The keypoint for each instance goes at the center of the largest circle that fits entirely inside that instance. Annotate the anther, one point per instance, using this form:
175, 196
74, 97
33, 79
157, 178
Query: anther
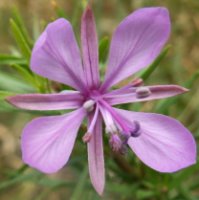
124, 137
136, 131
112, 128
142, 92
124, 149
137, 82
89, 105
115, 142
87, 137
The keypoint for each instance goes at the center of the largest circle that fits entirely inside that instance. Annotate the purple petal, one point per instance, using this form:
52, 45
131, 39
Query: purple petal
47, 142
136, 42
56, 55
129, 95
66, 100
96, 158
90, 48
164, 144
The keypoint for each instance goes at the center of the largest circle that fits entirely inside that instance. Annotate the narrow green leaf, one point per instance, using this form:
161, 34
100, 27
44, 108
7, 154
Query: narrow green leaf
26, 75
20, 40
43, 84
122, 189
59, 11
19, 21
103, 49
165, 103
19, 179
10, 83
4, 94
191, 81
85, 3
11, 59
80, 186
54, 183
146, 73
6, 107
18, 172
183, 176
144, 194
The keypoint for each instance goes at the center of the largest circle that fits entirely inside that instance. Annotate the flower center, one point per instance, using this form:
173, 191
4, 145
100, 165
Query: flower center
93, 97
118, 129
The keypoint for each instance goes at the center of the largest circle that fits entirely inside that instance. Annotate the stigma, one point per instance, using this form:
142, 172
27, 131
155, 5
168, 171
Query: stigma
136, 130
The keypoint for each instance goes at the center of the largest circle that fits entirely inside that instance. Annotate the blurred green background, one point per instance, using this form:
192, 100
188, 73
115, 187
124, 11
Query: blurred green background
127, 178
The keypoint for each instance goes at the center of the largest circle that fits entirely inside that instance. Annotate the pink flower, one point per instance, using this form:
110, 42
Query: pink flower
161, 142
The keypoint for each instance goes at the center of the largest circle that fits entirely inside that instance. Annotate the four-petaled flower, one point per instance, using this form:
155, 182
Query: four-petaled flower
160, 142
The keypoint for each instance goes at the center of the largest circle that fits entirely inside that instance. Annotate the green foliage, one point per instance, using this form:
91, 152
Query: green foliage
146, 73
103, 49
4, 94
25, 74
11, 59
10, 83
21, 27
20, 39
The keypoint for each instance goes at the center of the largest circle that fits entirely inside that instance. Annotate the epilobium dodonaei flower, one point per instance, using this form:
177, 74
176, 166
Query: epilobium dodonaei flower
161, 142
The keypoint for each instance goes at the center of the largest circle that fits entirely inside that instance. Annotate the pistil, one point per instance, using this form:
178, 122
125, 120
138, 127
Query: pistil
88, 135
136, 130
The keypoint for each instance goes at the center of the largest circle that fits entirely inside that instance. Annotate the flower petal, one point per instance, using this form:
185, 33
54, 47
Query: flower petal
136, 42
96, 158
47, 142
164, 144
60, 101
90, 48
56, 55
156, 92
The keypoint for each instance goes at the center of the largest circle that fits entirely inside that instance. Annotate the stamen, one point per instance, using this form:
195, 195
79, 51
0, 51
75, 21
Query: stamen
137, 82
142, 92
88, 135
137, 129
124, 149
107, 130
110, 125
111, 128
115, 142
89, 105
111, 117
124, 137
115, 124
